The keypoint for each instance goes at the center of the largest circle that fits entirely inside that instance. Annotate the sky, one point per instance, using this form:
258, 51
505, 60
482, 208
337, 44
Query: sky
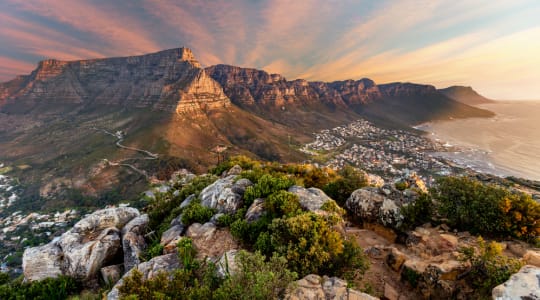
493, 46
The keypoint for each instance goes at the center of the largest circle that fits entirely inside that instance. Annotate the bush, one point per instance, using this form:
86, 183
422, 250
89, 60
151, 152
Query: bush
282, 203
50, 288
489, 267
265, 186
256, 278
486, 209
418, 212
307, 241
349, 180
196, 213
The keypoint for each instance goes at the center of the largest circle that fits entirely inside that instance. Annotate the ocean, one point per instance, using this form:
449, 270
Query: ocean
507, 144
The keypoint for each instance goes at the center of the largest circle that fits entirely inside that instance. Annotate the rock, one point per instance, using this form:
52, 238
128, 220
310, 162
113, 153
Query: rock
523, 285
42, 262
532, 257
133, 243
109, 217
225, 194
325, 288
214, 219
451, 239
369, 205
85, 254
181, 177
177, 221
111, 274
226, 265
390, 292
170, 238
311, 199
187, 201
255, 210
395, 259
82, 251
164, 263
235, 170
211, 241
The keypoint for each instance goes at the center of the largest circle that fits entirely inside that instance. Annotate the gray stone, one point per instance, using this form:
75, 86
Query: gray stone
225, 194
314, 287
255, 210
187, 201
311, 199
226, 265
214, 219
133, 243
369, 205
235, 170
42, 262
170, 238
164, 263
111, 274
523, 285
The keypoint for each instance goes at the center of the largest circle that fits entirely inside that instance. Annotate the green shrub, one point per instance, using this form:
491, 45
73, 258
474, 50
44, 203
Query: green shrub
282, 203
351, 264
50, 288
265, 186
349, 180
418, 212
196, 213
489, 267
307, 241
256, 278
487, 209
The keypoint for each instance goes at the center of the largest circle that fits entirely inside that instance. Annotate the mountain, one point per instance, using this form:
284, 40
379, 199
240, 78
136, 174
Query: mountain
464, 94
72, 130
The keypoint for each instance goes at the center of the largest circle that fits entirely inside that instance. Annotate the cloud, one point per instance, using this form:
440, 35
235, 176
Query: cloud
10, 67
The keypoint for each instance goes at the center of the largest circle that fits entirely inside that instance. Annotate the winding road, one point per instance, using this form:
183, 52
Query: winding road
120, 137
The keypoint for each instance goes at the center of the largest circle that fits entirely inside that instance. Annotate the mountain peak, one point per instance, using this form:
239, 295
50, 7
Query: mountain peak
464, 94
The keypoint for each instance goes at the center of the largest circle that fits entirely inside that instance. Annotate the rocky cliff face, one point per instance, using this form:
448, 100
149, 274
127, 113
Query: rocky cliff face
170, 80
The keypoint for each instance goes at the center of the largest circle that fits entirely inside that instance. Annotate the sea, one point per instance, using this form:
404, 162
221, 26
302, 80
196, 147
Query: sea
505, 145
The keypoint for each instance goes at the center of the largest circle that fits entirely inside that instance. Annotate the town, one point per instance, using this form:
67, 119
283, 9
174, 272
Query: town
384, 152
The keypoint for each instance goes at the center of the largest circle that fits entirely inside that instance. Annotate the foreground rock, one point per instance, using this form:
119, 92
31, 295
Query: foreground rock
523, 285
133, 243
150, 269
94, 242
314, 287
371, 205
225, 195
210, 241
311, 199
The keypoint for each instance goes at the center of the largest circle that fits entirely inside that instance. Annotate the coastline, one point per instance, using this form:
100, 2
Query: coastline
498, 146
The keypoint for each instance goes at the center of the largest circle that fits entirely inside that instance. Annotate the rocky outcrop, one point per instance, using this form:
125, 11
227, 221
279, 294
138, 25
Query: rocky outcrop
311, 199
170, 80
225, 195
371, 205
133, 243
523, 285
165, 263
92, 243
210, 241
255, 210
314, 287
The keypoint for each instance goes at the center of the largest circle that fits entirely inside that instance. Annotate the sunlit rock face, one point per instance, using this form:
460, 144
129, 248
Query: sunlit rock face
170, 80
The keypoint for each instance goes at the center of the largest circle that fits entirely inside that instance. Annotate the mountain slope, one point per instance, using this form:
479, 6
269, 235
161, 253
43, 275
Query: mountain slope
464, 94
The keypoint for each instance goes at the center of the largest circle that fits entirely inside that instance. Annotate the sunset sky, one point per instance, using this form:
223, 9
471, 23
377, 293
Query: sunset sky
492, 45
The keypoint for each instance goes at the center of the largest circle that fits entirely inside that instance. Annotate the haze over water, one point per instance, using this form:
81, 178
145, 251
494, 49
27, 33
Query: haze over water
508, 144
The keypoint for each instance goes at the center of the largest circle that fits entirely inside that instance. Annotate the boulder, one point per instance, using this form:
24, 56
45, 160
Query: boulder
133, 243
225, 195
210, 241
255, 210
181, 177
235, 170
82, 251
85, 254
42, 262
325, 288
395, 259
164, 263
226, 265
390, 292
109, 217
532, 257
111, 274
187, 201
170, 238
372, 206
523, 285
311, 199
